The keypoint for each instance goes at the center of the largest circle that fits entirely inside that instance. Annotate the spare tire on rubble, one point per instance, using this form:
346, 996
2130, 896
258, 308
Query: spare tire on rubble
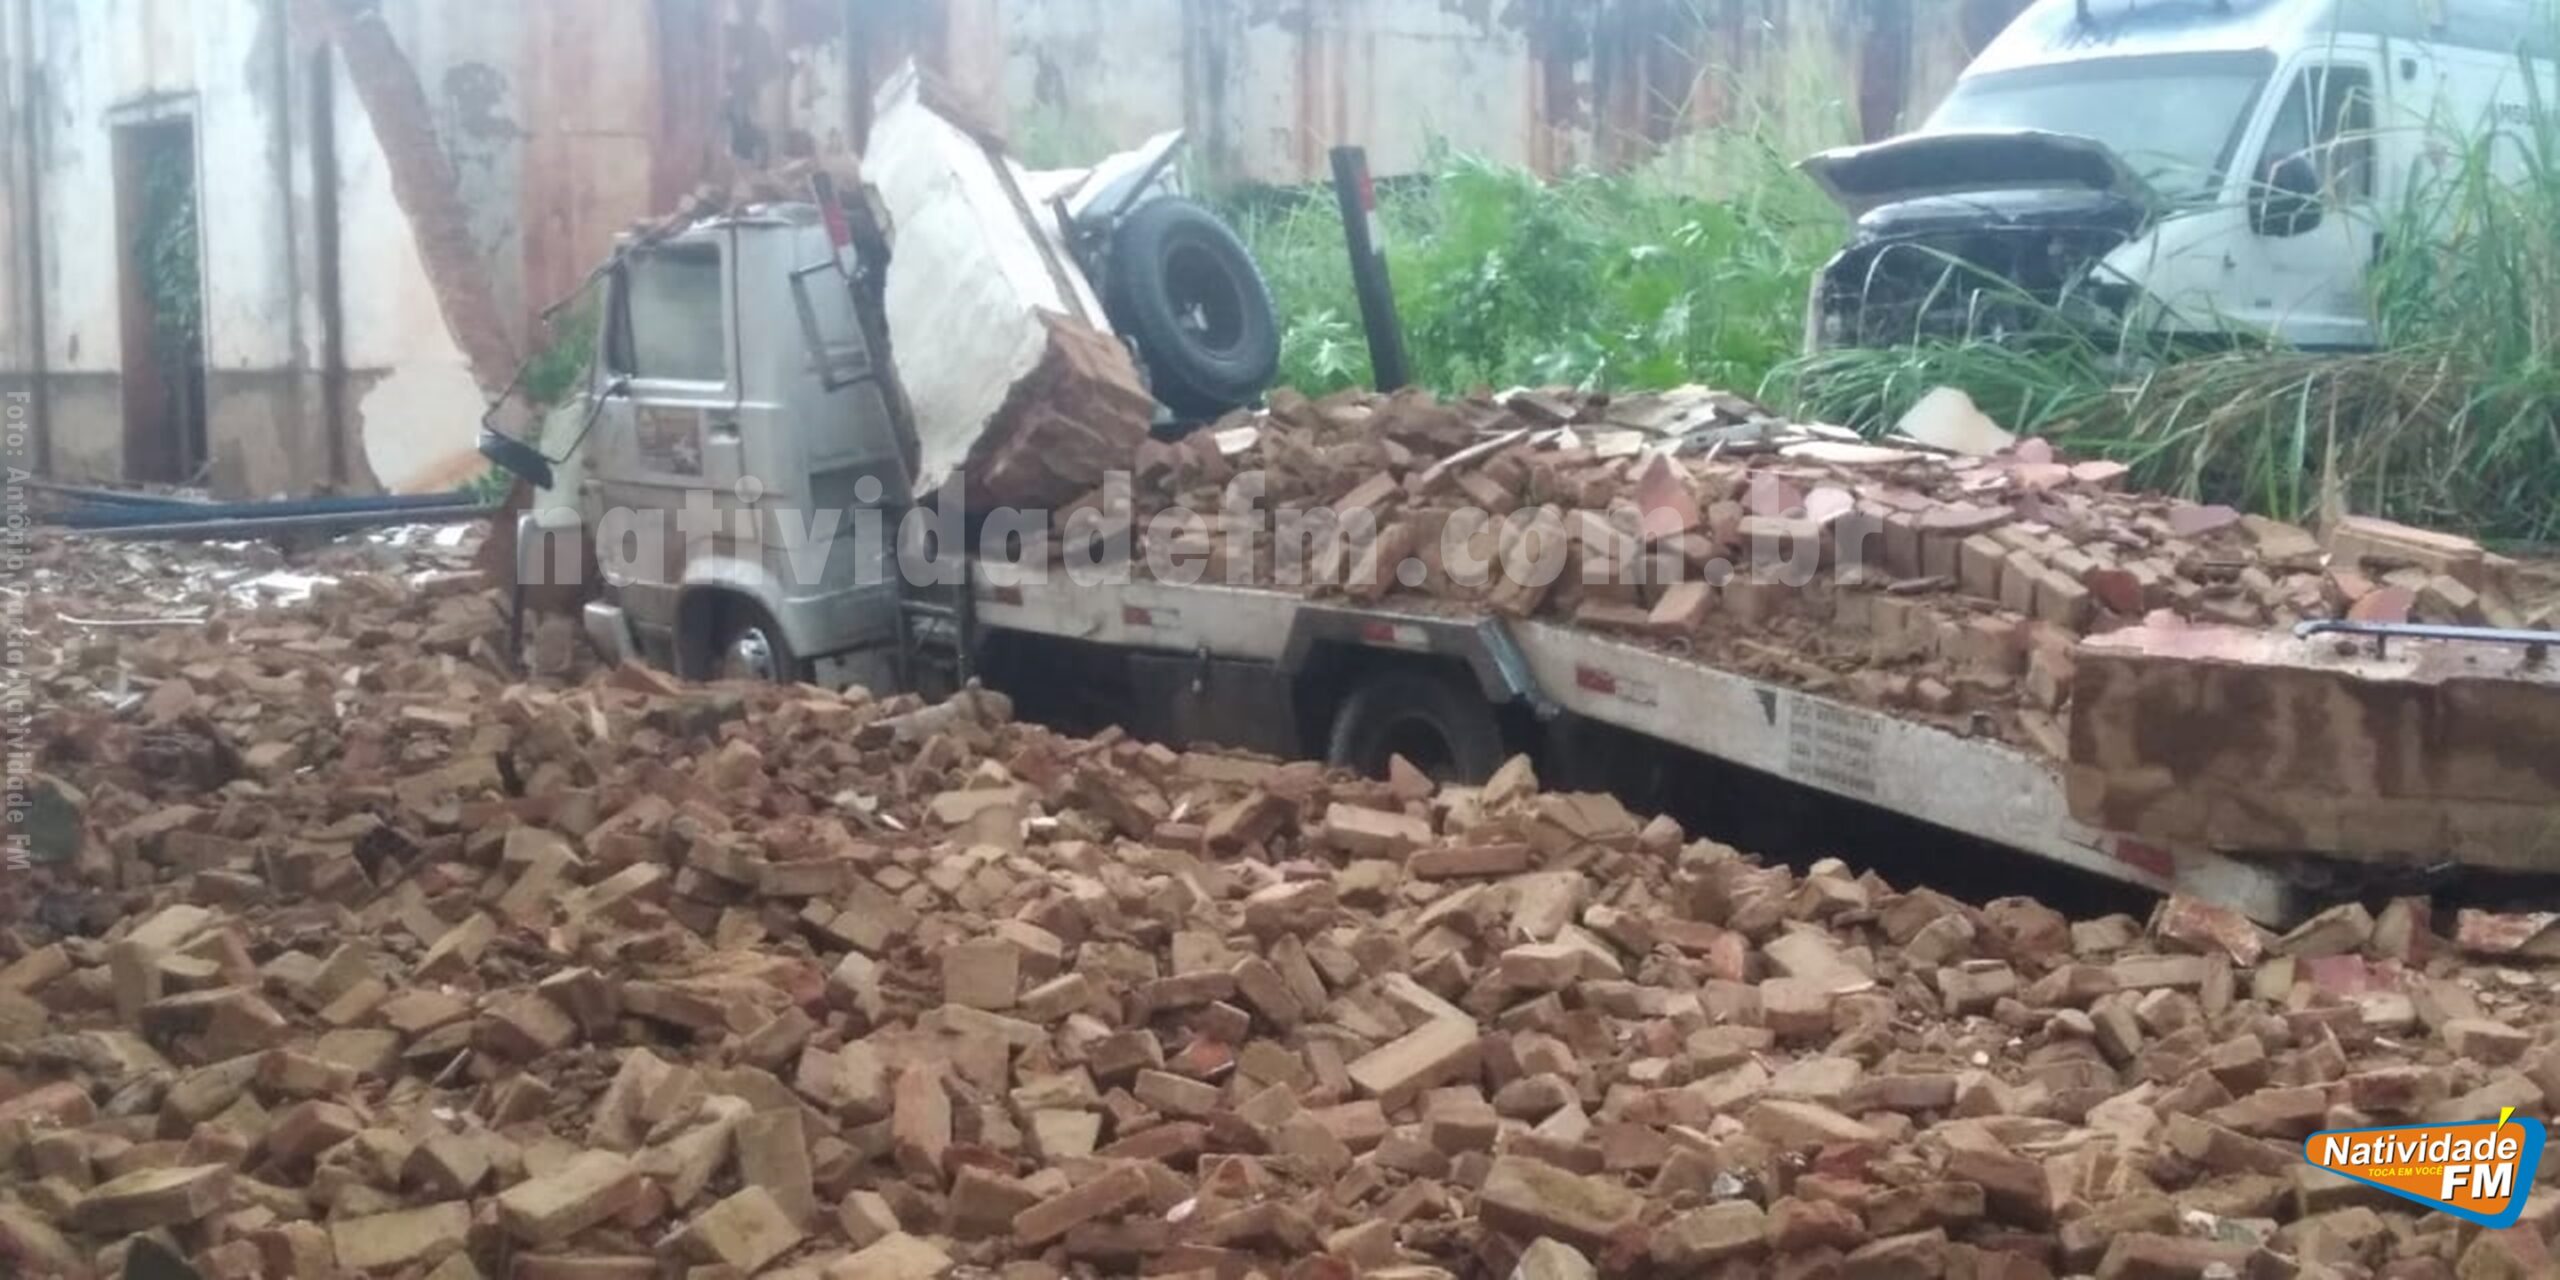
1185, 289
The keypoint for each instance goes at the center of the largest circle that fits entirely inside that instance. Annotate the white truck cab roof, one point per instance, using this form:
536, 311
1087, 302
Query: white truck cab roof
2054, 31
2162, 85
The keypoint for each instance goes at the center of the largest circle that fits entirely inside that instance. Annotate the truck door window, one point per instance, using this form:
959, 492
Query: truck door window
2328, 114
668, 327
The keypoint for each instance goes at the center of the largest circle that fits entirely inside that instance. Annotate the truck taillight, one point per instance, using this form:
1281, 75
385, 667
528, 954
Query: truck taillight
1399, 636
831, 209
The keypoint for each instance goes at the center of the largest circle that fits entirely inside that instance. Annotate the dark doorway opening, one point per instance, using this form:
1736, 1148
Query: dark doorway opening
163, 305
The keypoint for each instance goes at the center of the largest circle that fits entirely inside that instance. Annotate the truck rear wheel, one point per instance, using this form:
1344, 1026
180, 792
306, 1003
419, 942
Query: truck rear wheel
1438, 724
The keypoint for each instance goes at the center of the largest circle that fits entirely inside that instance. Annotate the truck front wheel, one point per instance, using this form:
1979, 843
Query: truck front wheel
1439, 725
744, 643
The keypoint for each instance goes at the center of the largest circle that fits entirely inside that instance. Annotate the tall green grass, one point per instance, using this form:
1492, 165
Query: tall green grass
1691, 267
1602, 281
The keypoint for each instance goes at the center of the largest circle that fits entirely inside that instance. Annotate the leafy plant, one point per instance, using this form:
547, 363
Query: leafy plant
1692, 266
489, 488
167, 250
1326, 350
559, 369
1604, 281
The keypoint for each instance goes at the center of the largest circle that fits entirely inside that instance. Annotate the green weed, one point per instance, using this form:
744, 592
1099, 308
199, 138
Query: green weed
1603, 281
1691, 267
559, 369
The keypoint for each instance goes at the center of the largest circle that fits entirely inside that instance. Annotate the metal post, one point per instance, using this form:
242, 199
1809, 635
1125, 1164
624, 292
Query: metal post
328, 241
1359, 197
31, 94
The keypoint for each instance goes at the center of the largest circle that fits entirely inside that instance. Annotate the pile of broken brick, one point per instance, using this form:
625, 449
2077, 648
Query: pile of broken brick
1971, 581
350, 957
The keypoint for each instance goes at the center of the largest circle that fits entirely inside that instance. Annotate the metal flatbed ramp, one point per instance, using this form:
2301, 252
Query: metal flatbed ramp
1976, 787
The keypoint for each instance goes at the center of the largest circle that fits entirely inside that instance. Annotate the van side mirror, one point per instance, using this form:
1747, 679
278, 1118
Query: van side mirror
2288, 203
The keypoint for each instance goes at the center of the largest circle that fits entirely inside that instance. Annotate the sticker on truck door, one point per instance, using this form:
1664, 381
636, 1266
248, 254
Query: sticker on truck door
670, 439
1832, 746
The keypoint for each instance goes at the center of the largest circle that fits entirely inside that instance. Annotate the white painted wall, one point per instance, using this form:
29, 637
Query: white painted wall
1268, 86
1058, 56
83, 50
251, 280
1390, 76
106, 62
423, 412
1273, 84
17, 295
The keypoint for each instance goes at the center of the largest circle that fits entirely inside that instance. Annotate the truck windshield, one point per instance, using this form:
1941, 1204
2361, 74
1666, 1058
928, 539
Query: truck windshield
2172, 118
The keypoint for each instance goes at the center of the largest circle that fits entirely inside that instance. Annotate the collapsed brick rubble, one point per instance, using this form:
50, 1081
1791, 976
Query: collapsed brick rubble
344, 955
1971, 582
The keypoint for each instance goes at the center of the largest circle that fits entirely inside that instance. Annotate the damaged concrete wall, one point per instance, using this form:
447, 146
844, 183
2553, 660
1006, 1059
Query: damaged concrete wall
237, 75
328, 355
431, 339
262, 390
1266, 87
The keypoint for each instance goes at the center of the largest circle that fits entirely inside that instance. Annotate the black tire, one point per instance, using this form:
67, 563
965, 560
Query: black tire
1439, 724
1186, 290
1586, 755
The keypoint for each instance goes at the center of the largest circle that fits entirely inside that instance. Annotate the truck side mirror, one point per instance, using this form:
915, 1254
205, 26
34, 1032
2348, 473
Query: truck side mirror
525, 460
2288, 203
515, 457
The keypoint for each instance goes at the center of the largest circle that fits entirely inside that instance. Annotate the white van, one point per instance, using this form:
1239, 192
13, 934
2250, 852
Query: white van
2194, 166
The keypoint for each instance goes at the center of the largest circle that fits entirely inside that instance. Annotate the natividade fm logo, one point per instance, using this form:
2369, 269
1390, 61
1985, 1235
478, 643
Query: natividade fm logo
2478, 1170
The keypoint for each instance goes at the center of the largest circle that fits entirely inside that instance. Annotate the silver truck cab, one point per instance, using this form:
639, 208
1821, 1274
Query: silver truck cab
2194, 167
746, 470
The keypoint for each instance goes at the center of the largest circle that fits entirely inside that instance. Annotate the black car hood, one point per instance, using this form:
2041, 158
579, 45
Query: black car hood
1916, 166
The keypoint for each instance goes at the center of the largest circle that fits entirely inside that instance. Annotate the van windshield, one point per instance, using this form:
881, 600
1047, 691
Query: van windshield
2172, 118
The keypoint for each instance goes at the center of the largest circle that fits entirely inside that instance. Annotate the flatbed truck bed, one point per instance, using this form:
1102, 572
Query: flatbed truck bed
1251, 649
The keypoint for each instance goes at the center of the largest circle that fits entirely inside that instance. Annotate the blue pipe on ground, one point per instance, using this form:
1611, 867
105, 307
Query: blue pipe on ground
113, 516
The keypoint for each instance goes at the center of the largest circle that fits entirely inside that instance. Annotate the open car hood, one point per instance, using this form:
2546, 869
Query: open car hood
1106, 183
1918, 165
